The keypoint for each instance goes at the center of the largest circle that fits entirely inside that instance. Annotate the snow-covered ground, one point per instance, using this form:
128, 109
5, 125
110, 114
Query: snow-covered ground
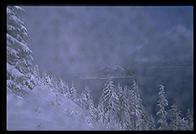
44, 110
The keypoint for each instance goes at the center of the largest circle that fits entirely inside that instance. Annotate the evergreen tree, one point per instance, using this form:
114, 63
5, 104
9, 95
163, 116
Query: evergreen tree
109, 106
103, 103
103, 106
37, 75
137, 111
162, 113
123, 103
86, 99
66, 89
72, 94
189, 119
151, 123
20, 63
132, 115
53, 81
138, 106
62, 87
47, 79
128, 109
92, 115
175, 118
115, 110
183, 124
147, 121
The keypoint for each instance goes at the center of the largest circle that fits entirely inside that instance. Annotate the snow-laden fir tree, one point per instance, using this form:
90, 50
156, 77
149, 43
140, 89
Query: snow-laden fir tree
139, 109
63, 88
183, 124
134, 104
109, 106
151, 123
37, 75
53, 81
85, 98
115, 110
72, 93
86, 102
128, 112
102, 106
20, 63
189, 119
137, 112
92, 115
162, 113
174, 116
148, 122
125, 119
66, 89
46, 79
124, 110
119, 92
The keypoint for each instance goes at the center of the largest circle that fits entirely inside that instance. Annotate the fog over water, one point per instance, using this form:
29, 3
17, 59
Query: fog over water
155, 44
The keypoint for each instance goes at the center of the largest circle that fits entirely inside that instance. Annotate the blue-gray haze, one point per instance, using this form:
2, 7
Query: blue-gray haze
154, 43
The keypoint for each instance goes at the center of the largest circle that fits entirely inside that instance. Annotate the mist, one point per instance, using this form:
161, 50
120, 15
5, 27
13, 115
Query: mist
155, 44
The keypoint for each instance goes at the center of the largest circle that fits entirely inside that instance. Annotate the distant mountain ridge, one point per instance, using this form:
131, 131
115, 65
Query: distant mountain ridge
111, 71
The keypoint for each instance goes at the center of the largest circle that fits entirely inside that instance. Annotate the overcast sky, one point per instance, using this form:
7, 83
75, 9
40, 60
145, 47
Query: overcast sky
65, 38
83, 39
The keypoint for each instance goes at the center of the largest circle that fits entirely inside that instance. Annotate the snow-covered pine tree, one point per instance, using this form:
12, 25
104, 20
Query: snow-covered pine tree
123, 103
47, 79
133, 111
37, 75
66, 89
115, 111
50, 80
141, 123
109, 106
174, 116
162, 113
20, 63
151, 123
136, 110
62, 87
92, 115
147, 121
85, 98
53, 81
183, 124
125, 120
72, 93
103, 105
189, 119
